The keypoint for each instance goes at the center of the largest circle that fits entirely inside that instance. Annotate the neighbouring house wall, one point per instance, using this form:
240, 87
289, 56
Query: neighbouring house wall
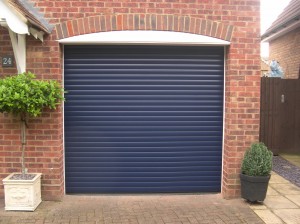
265, 68
286, 50
235, 20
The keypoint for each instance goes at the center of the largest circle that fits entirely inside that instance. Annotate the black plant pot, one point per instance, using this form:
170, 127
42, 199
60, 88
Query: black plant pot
254, 188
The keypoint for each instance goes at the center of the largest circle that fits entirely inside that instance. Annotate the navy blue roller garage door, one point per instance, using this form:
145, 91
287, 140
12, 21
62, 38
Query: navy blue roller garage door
143, 119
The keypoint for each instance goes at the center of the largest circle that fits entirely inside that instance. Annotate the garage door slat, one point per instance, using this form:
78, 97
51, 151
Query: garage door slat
155, 170
147, 128
85, 145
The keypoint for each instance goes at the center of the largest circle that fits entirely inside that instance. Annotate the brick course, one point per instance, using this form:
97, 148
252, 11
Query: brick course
286, 50
137, 22
237, 21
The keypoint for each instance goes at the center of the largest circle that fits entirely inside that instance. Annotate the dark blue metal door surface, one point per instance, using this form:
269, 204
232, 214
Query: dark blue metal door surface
143, 119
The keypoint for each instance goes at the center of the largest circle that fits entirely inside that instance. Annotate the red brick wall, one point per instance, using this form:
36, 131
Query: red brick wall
5, 49
286, 50
7, 129
235, 20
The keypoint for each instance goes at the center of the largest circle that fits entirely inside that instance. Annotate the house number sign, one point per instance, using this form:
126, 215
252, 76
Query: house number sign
7, 61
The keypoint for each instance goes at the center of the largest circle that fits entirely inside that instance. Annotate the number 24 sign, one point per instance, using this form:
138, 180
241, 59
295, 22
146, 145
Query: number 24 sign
7, 61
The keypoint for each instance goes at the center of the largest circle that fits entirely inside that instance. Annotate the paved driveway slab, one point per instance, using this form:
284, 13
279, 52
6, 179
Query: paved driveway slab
282, 204
137, 209
290, 216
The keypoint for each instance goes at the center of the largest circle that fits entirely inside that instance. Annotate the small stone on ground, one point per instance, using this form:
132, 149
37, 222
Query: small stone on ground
287, 170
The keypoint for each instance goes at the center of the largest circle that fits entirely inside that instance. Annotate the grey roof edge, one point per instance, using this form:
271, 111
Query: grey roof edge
279, 27
288, 17
37, 15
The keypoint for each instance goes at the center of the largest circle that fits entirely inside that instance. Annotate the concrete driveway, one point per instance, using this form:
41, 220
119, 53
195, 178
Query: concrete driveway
141, 209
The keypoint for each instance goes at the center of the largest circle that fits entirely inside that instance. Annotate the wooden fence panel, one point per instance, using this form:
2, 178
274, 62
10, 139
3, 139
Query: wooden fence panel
297, 120
280, 114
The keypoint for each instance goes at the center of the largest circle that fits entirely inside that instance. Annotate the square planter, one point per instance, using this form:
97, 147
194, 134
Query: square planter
22, 195
254, 188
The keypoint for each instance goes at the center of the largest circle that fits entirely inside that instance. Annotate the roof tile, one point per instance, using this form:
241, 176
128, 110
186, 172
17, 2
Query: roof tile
32, 14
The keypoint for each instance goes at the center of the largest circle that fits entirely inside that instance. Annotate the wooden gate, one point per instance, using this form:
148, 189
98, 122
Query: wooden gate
280, 114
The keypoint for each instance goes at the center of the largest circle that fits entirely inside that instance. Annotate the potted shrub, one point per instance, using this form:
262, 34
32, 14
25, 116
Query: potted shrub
256, 172
24, 96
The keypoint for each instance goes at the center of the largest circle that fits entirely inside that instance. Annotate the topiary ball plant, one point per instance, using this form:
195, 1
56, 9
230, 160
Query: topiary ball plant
24, 96
257, 160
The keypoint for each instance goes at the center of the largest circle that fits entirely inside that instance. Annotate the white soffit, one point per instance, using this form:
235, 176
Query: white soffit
13, 21
143, 37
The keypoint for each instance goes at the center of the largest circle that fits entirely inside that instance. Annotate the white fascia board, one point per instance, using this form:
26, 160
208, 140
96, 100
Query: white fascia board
143, 37
282, 32
14, 22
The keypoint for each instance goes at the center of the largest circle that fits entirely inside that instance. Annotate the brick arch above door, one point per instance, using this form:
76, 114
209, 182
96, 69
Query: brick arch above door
104, 23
